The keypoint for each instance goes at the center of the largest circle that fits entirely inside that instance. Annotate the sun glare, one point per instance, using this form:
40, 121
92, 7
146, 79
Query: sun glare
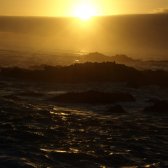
84, 11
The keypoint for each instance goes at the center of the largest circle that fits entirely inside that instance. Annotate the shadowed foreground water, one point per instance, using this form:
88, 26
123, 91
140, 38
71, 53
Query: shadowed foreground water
35, 132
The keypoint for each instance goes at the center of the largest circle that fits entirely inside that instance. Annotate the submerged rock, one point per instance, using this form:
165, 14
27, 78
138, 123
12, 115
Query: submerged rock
6, 161
93, 97
117, 109
159, 106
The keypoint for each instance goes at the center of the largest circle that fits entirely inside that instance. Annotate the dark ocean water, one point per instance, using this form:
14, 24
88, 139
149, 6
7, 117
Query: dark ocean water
36, 132
139, 36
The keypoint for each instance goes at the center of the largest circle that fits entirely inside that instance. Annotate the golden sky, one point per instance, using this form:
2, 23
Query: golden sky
67, 7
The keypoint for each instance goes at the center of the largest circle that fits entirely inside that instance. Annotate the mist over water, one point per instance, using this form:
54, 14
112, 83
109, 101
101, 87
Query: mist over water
139, 36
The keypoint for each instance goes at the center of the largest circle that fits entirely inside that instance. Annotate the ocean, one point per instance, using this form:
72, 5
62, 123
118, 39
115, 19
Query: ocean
37, 132
90, 115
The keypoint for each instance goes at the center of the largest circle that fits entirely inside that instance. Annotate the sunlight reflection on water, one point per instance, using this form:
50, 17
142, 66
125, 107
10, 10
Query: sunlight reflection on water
81, 134
71, 150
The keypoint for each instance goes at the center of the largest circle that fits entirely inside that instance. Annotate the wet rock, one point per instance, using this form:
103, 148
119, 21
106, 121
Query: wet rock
74, 159
159, 106
133, 84
14, 162
118, 160
93, 97
117, 109
153, 100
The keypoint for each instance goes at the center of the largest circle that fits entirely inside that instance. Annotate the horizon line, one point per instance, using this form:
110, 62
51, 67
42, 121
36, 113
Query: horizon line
45, 16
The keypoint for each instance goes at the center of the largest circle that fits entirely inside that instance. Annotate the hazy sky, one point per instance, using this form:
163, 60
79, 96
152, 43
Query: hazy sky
65, 7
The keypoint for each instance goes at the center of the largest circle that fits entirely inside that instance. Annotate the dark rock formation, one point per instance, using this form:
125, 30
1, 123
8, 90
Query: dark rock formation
88, 72
158, 107
117, 109
93, 97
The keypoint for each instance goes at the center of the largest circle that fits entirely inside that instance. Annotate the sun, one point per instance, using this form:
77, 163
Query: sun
84, 11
